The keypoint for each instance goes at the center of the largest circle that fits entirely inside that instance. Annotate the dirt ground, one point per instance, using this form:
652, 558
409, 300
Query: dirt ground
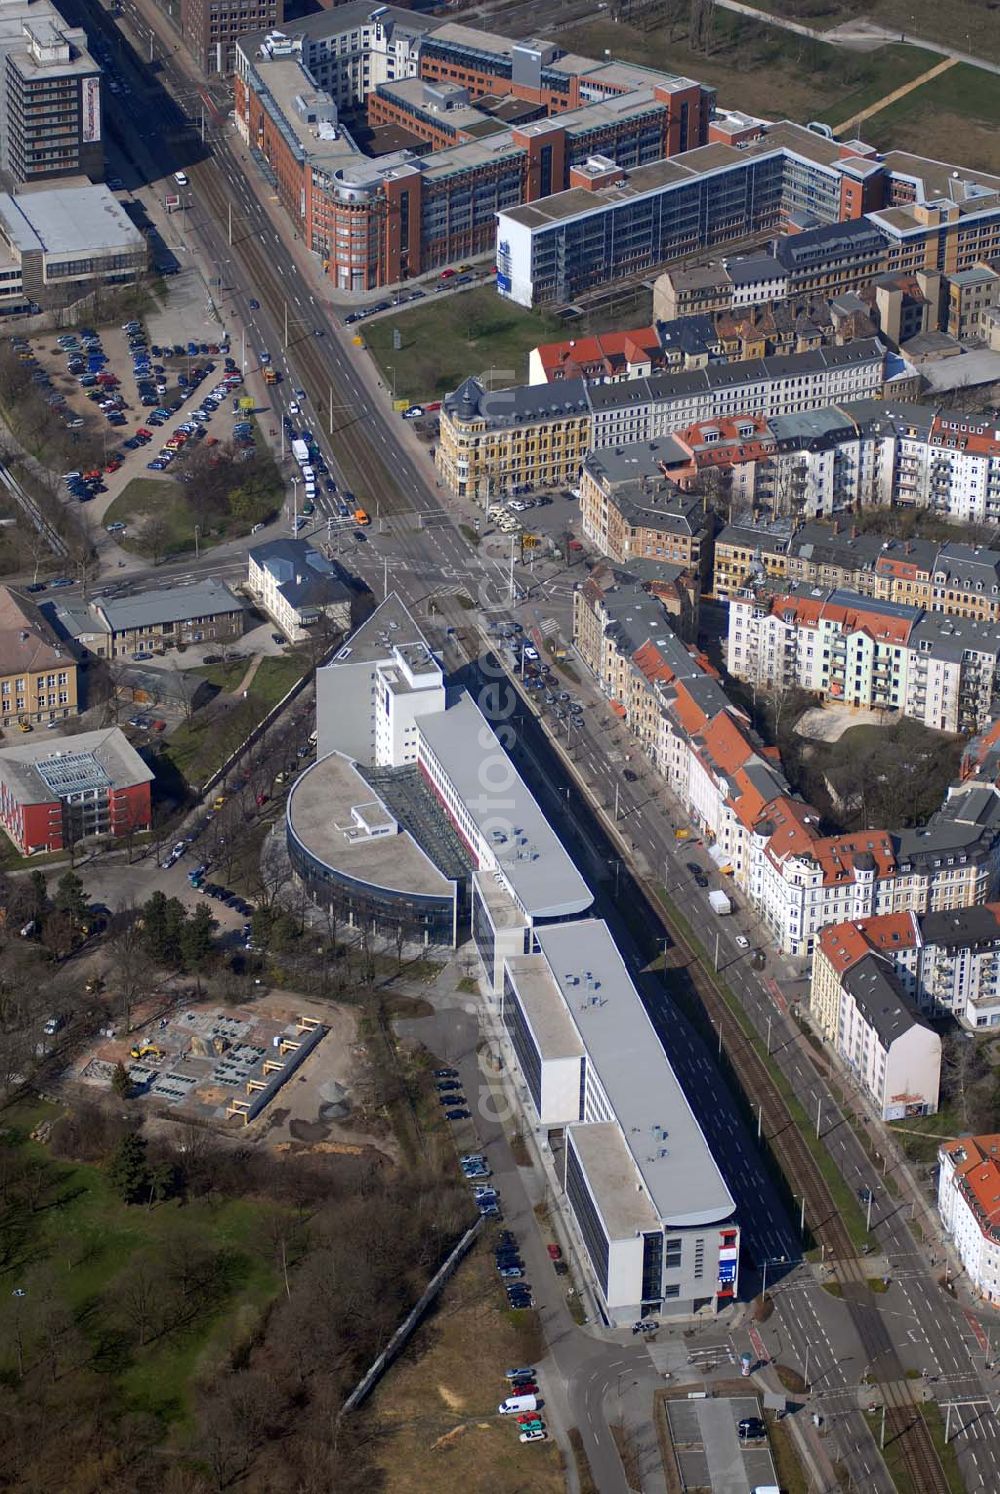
828, 723
435, 1415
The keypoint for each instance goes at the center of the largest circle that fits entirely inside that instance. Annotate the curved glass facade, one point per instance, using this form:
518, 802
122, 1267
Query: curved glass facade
426, 919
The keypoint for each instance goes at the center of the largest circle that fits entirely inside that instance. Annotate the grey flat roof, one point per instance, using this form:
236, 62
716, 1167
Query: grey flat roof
667, 1144
606, 1161
389, 627
319, 815
957, 927
168, 605
553, 1029
20, 765
65, 220
530, 854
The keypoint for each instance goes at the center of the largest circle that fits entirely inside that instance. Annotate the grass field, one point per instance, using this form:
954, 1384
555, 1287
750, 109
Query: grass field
761, 68
79, 1249
896, 66
962, 23
141, 498
446, 339
198, 746
954, 117
778, 75
434, 1418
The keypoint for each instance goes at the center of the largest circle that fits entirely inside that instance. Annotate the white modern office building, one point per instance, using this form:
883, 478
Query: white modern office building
649, 1206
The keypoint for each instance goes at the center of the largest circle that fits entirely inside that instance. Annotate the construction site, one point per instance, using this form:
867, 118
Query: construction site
225, 1066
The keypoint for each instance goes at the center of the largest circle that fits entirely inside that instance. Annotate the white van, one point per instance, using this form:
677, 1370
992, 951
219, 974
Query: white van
518, 1403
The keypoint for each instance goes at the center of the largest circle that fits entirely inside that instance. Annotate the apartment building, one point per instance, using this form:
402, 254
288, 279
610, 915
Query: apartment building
478, 123
972, 294
954, 579
867, 653
847, 216
734, 792
38, 673
491, 442
947, 963
800, 325
50, 97
865, 1015
632, 506
968, 1202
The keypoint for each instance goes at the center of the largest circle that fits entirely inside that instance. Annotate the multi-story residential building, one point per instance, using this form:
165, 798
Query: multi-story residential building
864, 1013
857, 454
889, 214
971, 295
57, 244
50, 97
298, 587
948, 963
53, 796
732, 788
479, 124
732, 336
491, 442
969, 1205
38, 675
632, 506
866, 653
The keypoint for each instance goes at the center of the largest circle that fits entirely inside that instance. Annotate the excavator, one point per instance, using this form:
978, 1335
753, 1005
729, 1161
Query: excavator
145, 1050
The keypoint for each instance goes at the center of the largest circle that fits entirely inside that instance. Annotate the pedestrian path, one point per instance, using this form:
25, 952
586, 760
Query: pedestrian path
897, 93
248, 678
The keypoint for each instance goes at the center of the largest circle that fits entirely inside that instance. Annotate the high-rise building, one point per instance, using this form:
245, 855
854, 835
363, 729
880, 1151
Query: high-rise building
50, 97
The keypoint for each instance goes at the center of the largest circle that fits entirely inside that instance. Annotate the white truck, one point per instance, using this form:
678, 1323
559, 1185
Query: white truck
720, 903
300, 451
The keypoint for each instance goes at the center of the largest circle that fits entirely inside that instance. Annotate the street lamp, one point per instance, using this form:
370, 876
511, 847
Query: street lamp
197, 536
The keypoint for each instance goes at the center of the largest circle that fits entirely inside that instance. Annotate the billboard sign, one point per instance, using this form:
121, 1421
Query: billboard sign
91, 110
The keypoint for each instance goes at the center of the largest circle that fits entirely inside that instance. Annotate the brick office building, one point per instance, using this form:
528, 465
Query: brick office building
485, 124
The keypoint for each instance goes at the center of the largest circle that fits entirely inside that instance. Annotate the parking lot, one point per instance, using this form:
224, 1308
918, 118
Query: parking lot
144, 401
711, 1453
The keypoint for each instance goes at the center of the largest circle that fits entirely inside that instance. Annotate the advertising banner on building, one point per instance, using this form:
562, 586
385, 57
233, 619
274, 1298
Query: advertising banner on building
91, 110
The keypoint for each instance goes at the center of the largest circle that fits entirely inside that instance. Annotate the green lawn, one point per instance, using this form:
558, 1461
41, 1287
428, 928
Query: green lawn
447, 338
198, 746
890, 69
81, 1244
141, 498
962, 106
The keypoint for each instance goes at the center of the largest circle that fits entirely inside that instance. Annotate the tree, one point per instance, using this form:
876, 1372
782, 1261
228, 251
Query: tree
38, 897
120, 1081
129, 964
128, 1170
196, 937
71, 898
154, 537
164, 920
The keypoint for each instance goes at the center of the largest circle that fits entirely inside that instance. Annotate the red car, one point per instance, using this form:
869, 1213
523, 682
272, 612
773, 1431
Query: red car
112, 466
555, 1254
144, 433
527, 1417
527, 1388
447, 274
